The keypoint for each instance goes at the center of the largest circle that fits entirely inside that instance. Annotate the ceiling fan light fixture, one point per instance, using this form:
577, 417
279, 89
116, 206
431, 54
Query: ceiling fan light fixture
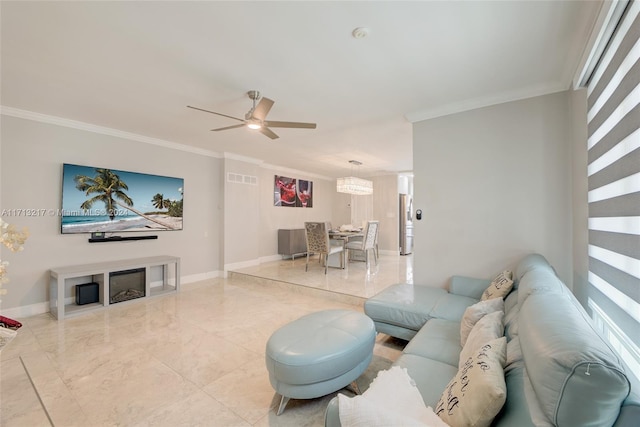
256, 118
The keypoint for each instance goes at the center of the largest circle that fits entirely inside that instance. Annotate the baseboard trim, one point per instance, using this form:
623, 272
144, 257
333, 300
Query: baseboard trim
192, 278
241, 264
270, 258
388, 252
26, 310
43, 307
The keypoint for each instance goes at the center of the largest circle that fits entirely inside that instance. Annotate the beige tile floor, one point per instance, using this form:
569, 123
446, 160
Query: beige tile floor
356, 280
191, 359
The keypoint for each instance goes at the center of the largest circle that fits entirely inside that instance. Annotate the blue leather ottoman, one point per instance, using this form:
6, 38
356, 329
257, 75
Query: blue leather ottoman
319, 353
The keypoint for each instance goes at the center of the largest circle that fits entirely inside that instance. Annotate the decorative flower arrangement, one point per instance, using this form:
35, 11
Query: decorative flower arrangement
13, 239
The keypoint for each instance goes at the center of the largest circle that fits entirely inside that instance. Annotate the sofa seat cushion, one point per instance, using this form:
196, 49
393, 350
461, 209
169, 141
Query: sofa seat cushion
395, 331
515, 411
438, 340
431, 376
405, 305
391, 399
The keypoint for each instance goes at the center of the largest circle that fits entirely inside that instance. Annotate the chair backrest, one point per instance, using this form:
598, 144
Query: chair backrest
317, 234
370, 235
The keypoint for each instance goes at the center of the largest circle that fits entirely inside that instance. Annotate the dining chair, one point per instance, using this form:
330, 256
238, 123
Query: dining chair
317, 234
368, 242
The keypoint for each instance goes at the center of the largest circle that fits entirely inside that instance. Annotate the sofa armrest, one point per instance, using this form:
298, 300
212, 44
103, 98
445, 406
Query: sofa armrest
468, 286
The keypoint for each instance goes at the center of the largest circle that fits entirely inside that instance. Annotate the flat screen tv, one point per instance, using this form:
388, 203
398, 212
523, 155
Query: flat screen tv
96, 199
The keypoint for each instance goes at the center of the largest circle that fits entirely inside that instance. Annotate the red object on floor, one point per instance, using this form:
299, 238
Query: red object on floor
5, 322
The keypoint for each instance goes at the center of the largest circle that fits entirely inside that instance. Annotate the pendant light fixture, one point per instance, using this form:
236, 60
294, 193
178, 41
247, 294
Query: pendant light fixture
353, 184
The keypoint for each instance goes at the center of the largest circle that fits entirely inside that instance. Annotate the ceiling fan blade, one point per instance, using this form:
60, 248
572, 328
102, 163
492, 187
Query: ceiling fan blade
262, 109
301, 125
213, 112
268, 132
228, 127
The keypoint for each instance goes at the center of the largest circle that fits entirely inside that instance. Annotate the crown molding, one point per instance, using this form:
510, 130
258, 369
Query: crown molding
246, 159
276, 168
74, 124
296, 172
485, 101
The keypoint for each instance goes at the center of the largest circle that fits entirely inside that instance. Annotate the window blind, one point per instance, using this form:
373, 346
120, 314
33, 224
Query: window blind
613, 116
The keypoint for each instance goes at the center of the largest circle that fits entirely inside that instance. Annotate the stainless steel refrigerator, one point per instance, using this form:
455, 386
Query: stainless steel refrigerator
406, 224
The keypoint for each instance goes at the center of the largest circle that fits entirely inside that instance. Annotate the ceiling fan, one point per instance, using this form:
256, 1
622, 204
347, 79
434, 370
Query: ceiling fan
255, 118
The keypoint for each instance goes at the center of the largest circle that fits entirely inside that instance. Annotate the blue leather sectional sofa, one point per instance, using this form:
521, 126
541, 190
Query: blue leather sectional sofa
562, 372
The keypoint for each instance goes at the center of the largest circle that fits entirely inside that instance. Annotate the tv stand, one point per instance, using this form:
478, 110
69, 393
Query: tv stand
64, 279
120, 238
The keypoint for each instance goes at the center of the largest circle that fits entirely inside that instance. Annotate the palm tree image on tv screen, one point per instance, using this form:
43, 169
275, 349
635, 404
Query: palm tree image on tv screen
109, 200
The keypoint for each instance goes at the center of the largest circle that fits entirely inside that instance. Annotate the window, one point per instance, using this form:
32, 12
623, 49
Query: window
614, 189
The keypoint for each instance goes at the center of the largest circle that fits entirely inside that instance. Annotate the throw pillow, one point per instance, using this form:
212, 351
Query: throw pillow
478, 391
488, 328
499, 287
476, 312
391, 399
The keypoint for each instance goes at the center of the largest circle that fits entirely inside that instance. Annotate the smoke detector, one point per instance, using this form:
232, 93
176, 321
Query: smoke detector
360, 32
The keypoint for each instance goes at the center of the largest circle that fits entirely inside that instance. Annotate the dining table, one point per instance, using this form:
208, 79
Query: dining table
343, 237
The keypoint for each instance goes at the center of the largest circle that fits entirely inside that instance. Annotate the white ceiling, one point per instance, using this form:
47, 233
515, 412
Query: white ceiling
134, 66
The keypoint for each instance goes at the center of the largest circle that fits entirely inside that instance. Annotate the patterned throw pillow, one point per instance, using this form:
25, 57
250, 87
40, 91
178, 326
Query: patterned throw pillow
476, 312
478, 391
488, 328
499, 287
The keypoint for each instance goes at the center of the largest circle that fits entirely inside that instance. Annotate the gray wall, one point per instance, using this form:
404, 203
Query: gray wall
251, 219
225, 223
494, 184
31, 176
241, 214
273, 217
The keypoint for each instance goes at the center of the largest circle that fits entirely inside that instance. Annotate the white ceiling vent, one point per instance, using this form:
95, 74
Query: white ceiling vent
242, 179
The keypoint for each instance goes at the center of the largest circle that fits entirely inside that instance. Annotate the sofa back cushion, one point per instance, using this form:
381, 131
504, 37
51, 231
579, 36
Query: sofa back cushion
529, 263
576, 378
540, 280
511, 310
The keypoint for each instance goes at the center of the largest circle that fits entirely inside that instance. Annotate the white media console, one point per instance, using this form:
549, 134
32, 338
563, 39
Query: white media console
63, 281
